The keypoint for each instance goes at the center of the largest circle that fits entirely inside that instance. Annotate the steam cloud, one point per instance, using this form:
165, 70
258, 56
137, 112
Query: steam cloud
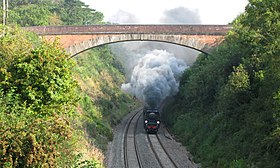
124, 17
152, 72
155, 77
181, 15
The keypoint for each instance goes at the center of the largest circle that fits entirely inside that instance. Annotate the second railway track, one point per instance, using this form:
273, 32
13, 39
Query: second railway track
133, 157
160, 152
131, 152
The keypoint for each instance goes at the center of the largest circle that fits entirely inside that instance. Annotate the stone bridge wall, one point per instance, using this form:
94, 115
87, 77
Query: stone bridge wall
128, 29
76, 39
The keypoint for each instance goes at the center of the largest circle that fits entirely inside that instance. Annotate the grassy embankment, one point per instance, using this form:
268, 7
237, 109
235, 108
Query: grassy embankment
227, 110
103, 103
47, 119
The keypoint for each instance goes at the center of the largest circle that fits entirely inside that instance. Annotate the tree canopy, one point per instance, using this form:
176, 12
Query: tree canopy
51, 12
37, 92
230, 100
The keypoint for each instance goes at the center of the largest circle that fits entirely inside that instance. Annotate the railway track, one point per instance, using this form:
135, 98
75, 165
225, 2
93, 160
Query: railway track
162, 156
132, 154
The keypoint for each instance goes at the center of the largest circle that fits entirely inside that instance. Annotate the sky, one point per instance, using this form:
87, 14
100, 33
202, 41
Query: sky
159, 11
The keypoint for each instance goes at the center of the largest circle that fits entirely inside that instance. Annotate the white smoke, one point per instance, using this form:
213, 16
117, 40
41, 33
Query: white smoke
129, 53
152, 72
123, 17
181, 15
155, 77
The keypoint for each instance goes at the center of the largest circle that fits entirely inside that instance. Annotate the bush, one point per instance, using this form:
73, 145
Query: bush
37, 96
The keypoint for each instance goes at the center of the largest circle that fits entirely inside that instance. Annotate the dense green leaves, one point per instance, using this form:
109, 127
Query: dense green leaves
37, 92
30, 15
41, 79
230, 101
75, 12
38, 95
51, 12
31, 142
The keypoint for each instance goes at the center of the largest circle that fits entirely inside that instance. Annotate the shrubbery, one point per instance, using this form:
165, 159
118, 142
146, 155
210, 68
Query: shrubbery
37, 98
102, 103
38, 95
227, 110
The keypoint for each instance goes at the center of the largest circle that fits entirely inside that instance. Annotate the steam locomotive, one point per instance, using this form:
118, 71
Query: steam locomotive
151, 118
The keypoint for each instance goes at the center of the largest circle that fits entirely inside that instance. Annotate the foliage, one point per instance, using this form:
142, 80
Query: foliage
37, 97
75, 12
51, 12
31, 142
102, 102
37, 86
30, 15
85, 163
39, 78
229, 101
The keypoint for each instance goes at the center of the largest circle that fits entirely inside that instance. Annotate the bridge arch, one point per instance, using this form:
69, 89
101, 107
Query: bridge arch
76, 39
192, 42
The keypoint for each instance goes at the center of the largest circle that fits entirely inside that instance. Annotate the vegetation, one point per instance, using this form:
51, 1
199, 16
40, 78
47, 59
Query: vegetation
51, 12
37, 98
227, 110
102, 104
55, 111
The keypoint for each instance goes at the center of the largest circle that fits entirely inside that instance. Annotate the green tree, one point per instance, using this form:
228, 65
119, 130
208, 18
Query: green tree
75, 12
31, 15
37, 96
51, 12
230, 100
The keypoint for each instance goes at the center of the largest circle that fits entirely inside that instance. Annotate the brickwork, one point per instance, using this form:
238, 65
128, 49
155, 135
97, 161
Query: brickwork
76, 39
127, 29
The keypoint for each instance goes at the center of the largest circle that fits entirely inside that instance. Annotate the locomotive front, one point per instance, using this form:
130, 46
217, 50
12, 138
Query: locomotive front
151, 118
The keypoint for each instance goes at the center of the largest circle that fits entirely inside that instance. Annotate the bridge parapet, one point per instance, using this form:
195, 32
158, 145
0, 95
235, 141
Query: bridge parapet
128, 29
76, 39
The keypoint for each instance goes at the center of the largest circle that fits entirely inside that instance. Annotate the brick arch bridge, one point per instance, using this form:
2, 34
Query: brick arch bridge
76, 39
